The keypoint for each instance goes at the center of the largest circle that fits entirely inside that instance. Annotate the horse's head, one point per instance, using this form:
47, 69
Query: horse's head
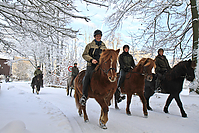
190, 66
147, 65
39, 77
108, 63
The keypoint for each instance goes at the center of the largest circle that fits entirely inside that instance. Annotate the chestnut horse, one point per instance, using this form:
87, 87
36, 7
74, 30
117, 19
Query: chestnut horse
135, 80
102, 86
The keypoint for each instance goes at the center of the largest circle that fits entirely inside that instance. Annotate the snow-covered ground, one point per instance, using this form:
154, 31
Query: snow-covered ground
53, 112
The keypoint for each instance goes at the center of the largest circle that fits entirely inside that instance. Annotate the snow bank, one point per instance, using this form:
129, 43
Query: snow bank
16, 126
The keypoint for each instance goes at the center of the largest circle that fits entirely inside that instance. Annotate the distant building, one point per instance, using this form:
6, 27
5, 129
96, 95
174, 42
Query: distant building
4, 68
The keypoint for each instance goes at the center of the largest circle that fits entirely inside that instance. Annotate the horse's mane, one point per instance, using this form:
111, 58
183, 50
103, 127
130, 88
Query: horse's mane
106, 55
144, 61
141, 62
177, 70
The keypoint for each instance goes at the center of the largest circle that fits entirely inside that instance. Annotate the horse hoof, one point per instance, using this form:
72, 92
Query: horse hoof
103, 126
166, 110
184, 115
117, 108
86, 121
128, 113
145, 115
149, 108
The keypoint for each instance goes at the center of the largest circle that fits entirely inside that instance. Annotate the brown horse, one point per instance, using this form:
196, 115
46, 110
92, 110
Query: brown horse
102, 86
135, 80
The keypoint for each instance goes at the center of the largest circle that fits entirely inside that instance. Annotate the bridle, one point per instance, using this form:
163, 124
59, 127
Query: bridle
106, 71
144, 73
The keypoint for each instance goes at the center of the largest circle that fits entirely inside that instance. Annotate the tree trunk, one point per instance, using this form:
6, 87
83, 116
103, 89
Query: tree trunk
195, 28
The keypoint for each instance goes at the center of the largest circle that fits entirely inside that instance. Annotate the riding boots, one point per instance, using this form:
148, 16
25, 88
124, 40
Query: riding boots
119, 97
86, 83
121, 79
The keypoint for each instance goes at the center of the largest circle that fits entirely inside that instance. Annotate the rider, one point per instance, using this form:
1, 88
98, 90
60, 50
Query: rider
75, 71
91, 54
162, 66
37, 72
126, 62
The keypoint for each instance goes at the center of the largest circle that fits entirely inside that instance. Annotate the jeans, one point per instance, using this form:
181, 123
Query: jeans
87, 78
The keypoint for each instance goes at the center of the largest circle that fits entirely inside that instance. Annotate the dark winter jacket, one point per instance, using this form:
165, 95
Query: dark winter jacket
126, 61
37, 72
93, 51
162, 64
75, 71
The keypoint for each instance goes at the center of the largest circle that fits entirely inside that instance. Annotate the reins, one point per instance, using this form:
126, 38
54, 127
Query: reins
106, 71
142, 74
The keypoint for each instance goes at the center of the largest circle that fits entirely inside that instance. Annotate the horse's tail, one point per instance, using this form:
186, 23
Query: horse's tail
77, 97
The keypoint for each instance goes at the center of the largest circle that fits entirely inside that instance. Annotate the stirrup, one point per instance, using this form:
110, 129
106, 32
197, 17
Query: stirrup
119, 89
120, 98
158, 90
82, 100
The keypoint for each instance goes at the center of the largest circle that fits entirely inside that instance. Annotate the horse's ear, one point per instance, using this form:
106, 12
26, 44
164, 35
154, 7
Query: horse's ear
103, 50
146, 61
118, 50
193, 64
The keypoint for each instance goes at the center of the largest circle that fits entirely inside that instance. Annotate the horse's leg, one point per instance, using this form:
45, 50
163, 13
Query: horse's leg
147, 96
169, 99
104, 113
177, 98
147, 103
67, 89
128, 104
79, 106
71, 88
141, 95
33, 89
115, 97
85, 114
37, 89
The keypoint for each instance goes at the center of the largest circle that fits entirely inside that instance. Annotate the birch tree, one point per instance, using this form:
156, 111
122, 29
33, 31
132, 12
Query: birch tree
166, 23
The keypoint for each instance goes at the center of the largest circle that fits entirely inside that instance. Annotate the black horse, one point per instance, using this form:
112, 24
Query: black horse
172, 84
37, 81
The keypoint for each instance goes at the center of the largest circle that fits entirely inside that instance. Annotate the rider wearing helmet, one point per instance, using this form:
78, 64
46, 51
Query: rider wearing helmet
126, 62
75, 71
162, 66
91, 54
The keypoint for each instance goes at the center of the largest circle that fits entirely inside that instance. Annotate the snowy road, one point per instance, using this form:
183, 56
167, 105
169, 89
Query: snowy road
53, 112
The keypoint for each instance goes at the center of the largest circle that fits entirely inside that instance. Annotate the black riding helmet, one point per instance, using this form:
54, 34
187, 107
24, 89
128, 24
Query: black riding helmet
38, 67
125, 46
75, 63
97, 32
160, 50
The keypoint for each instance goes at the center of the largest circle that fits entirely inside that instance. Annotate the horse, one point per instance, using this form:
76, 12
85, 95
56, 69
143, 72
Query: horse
134, 82
172, 84
37, 81
149, 89
102, 85
69, 87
